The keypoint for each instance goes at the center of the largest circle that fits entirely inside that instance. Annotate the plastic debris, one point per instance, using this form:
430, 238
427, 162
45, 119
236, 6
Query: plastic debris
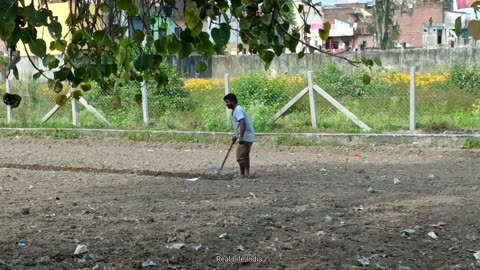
148, 263
358, 156
175, 245
21, 243
364, 261
359, 208
323, 170
80, 249
433, 235
253, 195
431, 175
193, 179
197, 247
396, 180
407, 232
223, 236
240, 248
477, 256
370, 190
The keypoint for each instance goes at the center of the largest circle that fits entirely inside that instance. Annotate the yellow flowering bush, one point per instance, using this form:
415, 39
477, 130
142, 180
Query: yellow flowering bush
422, 79
201, 84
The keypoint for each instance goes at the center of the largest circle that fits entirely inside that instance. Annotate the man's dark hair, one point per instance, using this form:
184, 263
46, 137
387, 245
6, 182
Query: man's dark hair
231, 97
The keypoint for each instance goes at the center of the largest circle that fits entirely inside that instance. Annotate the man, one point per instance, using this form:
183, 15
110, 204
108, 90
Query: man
244, 133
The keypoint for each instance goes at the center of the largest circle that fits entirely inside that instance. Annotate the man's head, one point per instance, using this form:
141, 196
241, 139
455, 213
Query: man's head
230, 101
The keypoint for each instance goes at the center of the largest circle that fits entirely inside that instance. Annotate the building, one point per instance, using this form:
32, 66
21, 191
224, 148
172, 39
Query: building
349, 26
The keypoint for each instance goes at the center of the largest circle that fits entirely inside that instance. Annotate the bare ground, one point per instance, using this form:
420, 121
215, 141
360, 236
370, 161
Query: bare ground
307, 208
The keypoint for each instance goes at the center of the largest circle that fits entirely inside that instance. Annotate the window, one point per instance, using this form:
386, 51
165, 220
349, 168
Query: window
335, 44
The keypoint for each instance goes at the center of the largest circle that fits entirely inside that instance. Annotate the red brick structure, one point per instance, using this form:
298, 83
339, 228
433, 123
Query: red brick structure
411, 23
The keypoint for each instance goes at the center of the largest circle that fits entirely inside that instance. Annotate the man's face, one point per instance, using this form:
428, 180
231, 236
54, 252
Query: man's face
230, 104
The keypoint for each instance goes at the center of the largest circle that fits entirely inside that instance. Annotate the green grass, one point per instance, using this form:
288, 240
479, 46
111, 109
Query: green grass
385, 109
471, 143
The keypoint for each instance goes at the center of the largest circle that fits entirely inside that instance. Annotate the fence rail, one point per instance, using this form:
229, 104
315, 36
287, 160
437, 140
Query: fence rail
140, 105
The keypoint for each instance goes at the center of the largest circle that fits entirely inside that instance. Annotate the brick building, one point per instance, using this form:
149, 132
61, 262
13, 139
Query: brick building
413, 20
357, 16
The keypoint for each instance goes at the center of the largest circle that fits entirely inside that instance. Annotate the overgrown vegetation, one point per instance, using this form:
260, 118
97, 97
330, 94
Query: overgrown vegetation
446, 101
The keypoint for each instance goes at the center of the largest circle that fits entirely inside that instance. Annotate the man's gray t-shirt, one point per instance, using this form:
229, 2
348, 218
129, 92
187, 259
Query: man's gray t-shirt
238, 114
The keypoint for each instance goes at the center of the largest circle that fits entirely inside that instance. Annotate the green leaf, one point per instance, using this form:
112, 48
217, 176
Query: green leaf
15, 72
12, 100
174, 45
38, 47
301, 54
474, 29
86, 86
142, 62
61, 75
306, 28
138, 36
157, 60
77, 94
300, 9
104, 7
37, 75
6, 29
58, 87
377, 61
14, 61
61, 99
366, 79
60, 45
458, 26
278, 49
132, 10
201, 66
161, 78
240, 47
122, 30
267, 57
55, 29
124, 4
161, 45
192, 20
325, 32
268, 4
138, 99
100, 37
185, 50
221, 35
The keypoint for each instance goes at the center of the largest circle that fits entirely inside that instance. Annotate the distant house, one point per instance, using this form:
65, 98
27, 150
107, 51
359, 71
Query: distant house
349, 26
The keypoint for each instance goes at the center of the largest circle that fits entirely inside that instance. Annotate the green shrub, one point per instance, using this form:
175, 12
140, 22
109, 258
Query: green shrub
127, 95
255, 88
465, 77
340, 82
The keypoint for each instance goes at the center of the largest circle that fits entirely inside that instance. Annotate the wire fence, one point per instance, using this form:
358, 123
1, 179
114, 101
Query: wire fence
197, 104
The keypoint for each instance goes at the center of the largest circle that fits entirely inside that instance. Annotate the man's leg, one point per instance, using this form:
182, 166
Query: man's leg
248, 147
241, 159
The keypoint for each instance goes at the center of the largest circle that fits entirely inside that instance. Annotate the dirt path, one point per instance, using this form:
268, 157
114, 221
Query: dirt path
308, 208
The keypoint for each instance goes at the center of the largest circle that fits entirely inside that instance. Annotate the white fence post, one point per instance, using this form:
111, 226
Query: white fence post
313, 100
146, 118
74, 108
412, 99
9, 108
227, 91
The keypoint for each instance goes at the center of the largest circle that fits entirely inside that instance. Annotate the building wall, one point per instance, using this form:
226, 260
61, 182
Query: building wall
411, 24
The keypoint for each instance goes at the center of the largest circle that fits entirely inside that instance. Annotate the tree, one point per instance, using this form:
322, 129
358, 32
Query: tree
384, 27
95, 46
